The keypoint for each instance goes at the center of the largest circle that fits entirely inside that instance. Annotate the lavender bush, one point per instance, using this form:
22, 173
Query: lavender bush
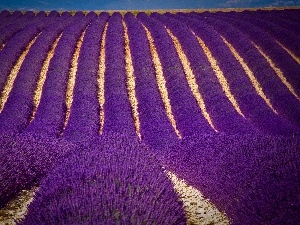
249, 170
15, 47
115, 181
277, 26
185, 109
49, 117
25, 159
253, 178
278, 55
156, 129
17, 111
252, 105
117, 109
223, 114
84, 117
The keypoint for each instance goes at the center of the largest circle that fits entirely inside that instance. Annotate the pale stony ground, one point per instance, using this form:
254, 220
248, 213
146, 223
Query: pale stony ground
16, 209
198, 209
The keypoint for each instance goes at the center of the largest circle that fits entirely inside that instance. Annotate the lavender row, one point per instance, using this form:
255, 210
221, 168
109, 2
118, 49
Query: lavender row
254, 179
15, 16
223, 114
14, 48
277, 19
280, 97
227, 64
84, 117
4, 15
289, 14
10, 30
252, 105
25, 160
279, 56
185, 109
29, 156
156, 129
133, 188
284, 35
18, 108
117, 111
50, 115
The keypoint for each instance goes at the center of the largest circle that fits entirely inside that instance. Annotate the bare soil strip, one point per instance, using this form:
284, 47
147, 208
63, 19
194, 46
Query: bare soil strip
72, 78
278, 71
42, 78
131, 83
100, 79
161, 82
220, 76
250, 74
190, 77
13, 74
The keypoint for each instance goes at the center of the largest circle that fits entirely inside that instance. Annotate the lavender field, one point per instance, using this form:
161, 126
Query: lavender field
96, 109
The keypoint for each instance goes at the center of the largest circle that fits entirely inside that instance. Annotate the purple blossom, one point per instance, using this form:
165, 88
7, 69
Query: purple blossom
223, 114
286, 34
16, 45
50, 115
117, 181
278, 93
18, 108
156, 130
25, 159
118, 116
252, 105
84, 117
12, 18
185, 109
253, 178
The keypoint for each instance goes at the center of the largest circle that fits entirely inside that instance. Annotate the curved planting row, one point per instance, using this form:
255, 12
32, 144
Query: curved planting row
15, 46
204, 74
30, 155
9, 30
20, 98
117, 111
50, 114
85, 99
156, 130
243, 80
286, 34
185, 109
223, 113
277, 20
84, 118
15, 16
277, 72
253, 178
117, 181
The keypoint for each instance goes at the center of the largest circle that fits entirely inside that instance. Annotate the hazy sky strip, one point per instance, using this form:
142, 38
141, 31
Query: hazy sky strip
139, 4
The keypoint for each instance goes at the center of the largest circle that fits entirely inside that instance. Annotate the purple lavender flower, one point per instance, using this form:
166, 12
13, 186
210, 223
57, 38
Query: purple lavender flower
278, 93
84, 117
17, 111
252, 105
25, 159
118, 116
116, 181
185, 109
15, 46
156, 130
253, 178
222, 113
50, 115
